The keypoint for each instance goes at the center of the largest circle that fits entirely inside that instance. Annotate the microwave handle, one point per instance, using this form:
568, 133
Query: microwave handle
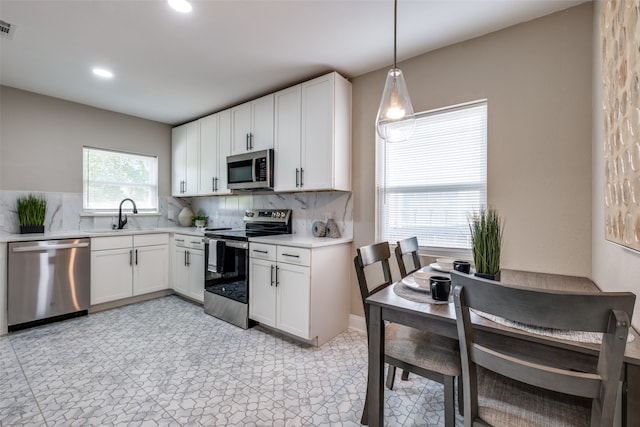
253, 169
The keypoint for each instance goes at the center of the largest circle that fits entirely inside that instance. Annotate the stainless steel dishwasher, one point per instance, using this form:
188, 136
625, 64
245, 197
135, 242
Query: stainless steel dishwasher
47, 280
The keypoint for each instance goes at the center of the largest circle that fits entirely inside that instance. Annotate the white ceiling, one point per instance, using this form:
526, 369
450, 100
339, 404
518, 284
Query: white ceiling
173, 68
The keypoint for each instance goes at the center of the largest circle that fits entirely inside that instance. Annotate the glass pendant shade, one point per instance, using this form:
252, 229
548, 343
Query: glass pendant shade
395, 121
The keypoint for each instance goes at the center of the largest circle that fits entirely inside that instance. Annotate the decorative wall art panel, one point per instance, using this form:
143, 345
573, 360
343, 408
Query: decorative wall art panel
620, 44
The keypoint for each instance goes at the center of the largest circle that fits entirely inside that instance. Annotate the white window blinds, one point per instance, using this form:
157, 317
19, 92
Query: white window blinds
111, 176
428, 185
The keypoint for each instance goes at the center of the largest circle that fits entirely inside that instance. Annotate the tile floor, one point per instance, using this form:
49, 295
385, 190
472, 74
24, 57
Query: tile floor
165, 362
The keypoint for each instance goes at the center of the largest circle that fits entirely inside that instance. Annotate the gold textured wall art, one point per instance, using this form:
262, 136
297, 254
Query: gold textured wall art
620, 44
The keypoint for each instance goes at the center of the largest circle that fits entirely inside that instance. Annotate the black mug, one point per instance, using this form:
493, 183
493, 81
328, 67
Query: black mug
462, 266
440, 288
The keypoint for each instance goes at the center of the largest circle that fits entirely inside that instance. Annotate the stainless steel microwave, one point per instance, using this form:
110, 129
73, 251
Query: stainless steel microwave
250, 171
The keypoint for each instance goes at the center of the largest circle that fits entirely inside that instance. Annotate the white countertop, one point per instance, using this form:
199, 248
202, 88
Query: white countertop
8, 237
300, 241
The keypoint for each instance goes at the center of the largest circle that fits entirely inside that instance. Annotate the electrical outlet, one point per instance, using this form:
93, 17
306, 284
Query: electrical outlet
171, 214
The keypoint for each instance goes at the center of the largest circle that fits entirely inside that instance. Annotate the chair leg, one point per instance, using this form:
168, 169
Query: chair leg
449, 402
364, 420
391, 376
460, 396
405, 375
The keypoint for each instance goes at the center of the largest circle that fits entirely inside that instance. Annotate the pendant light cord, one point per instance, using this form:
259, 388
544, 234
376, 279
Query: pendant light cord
395, 30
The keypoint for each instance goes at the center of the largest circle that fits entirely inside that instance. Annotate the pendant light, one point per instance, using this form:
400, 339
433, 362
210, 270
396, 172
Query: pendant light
395, 121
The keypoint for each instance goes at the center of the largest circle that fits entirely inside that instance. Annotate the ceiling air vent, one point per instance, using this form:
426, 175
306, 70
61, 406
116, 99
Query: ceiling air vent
7, 30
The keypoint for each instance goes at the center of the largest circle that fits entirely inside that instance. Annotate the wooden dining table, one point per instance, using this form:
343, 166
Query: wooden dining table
440, 319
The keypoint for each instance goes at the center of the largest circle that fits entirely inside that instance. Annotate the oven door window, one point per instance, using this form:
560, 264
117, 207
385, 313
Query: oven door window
240, 171
230, 279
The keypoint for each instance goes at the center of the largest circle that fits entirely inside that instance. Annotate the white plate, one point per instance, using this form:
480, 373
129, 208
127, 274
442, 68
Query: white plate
410, 282
437, 267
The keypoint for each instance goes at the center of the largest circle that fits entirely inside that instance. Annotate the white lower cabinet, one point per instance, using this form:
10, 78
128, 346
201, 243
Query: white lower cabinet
188, 266
125, 266
300, 291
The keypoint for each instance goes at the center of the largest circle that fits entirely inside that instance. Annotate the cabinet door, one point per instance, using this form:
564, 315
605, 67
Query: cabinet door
151, 269
318, 133
178, 159
262, 292
293, 300
180, 271
241, 128
262, 123
224, 150
195, 259
111, 275
287, 139
193, 154
208, 154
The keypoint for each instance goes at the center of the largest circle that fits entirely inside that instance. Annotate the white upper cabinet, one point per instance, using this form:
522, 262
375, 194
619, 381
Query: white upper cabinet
252, 125
185, 145
288, 123
215, 146
313, 135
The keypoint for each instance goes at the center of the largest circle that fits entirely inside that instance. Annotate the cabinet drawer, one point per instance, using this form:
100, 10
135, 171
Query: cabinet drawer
292, 255
262, 251
186, 241
113, 242
151, 239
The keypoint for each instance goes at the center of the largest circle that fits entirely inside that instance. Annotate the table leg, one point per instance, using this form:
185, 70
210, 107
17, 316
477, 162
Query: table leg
375, 391
630, 407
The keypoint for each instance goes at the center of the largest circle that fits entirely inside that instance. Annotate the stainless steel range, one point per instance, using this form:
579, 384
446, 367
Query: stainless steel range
226, 287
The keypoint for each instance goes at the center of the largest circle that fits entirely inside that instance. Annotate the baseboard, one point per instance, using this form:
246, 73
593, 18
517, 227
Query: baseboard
357, 322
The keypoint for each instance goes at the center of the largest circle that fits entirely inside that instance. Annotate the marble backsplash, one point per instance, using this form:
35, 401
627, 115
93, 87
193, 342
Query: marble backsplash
64, 211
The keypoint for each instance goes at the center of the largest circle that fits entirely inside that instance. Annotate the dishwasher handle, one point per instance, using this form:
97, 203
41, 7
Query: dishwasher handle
50, 247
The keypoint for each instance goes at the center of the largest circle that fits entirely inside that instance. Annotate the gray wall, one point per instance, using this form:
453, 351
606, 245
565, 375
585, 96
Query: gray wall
537, 79
41, 140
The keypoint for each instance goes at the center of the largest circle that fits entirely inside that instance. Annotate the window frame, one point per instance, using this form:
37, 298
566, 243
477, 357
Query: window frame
380, 191
114, 210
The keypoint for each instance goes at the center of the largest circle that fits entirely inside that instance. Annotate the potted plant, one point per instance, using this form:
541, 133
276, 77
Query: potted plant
200, 221
31, 213
486, 228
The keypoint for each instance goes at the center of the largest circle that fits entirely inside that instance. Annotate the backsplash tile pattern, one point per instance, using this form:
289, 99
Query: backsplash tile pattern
64, 211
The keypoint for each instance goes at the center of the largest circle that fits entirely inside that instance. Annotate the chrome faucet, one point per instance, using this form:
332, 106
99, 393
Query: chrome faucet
123, 221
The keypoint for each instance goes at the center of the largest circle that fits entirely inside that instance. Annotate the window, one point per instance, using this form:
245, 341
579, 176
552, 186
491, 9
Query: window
428, 185
108, 177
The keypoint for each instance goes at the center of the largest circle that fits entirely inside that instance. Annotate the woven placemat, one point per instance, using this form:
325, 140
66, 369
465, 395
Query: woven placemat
411, 294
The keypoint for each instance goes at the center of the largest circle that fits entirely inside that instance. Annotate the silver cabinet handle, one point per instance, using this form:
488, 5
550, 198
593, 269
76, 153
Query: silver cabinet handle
49, 247
250, 141
131, 257
185, 258
260, 251
272, 268
301, 177
277, 281
213, 184
247, 141
291, 255
136, 257
297, 177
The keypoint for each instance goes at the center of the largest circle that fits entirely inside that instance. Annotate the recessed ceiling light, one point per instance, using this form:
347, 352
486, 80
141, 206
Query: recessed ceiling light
101, 72
180, 5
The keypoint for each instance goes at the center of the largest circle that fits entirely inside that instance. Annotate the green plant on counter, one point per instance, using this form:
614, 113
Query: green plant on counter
486, 228
31, 210
199, 218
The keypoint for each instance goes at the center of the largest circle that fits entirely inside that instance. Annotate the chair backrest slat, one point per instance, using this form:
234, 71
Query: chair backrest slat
404, 247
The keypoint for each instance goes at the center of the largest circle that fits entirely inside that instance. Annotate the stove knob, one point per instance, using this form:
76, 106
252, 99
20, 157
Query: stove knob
249, 214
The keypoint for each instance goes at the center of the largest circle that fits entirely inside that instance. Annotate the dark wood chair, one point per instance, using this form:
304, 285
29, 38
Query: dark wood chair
408, 247
428, 355
505, 388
